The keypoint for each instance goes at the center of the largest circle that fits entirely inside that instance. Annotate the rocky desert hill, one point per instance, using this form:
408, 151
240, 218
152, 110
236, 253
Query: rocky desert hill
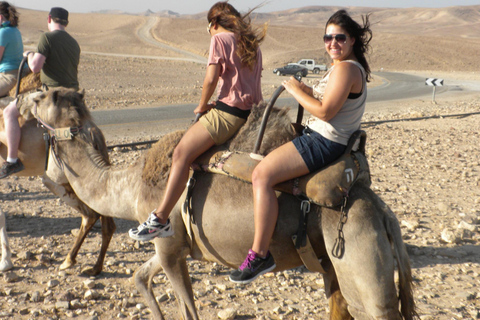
445, 39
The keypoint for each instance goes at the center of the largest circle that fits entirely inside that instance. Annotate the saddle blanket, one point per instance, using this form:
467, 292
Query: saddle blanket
327, 187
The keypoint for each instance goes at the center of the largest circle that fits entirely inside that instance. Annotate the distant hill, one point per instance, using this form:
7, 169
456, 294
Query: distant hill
163, 13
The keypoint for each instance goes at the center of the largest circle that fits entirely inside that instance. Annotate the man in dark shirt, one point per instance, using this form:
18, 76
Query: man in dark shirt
57, 58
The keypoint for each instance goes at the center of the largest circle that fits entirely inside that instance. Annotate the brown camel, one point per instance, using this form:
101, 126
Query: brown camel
32, 154
359, 283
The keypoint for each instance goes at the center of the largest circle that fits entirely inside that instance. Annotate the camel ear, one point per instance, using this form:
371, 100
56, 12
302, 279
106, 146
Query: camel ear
55, 97
81, 93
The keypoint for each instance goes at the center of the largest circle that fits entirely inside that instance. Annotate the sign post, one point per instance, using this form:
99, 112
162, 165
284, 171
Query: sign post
433, 82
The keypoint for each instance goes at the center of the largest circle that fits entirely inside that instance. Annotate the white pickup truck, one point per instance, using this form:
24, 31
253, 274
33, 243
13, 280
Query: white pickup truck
310, 65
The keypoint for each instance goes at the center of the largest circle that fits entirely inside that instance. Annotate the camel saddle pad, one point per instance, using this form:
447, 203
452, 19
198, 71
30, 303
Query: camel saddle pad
326, 187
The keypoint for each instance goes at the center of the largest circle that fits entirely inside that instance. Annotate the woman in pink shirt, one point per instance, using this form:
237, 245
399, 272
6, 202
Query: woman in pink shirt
234, 69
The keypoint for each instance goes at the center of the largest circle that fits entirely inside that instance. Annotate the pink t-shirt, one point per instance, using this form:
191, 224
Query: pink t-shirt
238, 86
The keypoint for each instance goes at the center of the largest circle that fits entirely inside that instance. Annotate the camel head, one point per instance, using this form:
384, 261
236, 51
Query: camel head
65, 108
61, 107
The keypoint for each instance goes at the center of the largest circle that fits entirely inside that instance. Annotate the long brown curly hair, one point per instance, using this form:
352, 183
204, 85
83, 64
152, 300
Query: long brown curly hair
248, 38
9, 12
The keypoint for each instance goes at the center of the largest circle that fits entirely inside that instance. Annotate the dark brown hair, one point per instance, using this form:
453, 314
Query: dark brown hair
9, 12
361, 34
248, 38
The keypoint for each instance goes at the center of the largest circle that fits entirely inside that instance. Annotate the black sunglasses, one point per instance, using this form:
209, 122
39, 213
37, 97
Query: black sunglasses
340, 38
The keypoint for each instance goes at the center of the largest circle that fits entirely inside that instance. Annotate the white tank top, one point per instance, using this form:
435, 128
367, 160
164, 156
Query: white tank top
348, 118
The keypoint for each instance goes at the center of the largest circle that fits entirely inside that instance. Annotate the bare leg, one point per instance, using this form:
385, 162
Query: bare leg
282, 164
196, 141
12, 128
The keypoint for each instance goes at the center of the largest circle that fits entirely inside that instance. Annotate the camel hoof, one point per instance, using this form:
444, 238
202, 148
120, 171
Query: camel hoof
6, 265
91, 271
67, 264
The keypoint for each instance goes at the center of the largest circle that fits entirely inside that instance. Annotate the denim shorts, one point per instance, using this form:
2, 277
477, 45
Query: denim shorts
316, 150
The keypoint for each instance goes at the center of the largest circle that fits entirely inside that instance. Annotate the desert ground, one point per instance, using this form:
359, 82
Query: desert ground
423, 156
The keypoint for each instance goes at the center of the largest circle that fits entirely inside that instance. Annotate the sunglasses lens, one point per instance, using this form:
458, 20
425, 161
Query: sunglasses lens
327, 38
341, 38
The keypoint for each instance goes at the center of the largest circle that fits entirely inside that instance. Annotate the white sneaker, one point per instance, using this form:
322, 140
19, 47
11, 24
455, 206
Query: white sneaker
151, 229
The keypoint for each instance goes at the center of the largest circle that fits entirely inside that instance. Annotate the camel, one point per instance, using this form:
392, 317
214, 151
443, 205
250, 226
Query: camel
32, 154
359, 283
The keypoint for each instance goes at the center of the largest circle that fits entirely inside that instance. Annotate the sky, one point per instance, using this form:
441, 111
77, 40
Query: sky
197, 6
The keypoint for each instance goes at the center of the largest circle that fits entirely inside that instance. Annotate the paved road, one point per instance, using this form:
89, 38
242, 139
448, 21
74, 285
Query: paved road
396, 86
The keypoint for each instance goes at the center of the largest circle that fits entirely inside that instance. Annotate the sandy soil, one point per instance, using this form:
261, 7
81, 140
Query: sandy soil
424, 165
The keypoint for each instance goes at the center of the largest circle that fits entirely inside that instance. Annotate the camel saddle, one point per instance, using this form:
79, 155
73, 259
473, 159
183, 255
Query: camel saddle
327, 187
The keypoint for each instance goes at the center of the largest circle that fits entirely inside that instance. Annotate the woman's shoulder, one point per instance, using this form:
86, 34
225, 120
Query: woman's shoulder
225, 36
350, 64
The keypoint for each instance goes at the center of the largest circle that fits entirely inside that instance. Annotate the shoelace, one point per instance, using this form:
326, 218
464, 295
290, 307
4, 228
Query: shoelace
248, 261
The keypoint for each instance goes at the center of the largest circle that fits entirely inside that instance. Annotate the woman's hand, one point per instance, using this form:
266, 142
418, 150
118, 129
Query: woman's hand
204, 109
292, 85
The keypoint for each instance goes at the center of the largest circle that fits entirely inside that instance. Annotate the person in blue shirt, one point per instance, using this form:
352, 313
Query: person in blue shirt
11, 47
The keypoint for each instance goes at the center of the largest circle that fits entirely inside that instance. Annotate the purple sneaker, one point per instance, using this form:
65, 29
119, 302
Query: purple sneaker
252, 267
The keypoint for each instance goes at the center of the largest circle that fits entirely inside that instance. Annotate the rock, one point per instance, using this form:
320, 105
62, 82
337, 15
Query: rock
76, 304
162, 298
89, 284
25, 255
227, 314
62, 305
91, 295
24, 311
36, 296
467, 226
10, 277
53, 283
410, 225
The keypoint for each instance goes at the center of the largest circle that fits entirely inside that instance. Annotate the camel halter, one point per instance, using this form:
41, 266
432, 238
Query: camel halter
52, 136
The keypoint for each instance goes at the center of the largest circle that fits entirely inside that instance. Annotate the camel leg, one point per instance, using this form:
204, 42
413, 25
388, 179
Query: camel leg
176, 269
6, 262
87, 224
108, 229
337, 303
170, 256
365, 271
89, 218
143, 282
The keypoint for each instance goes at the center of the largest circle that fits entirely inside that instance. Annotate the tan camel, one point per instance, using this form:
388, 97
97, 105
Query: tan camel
32, 154
360, 283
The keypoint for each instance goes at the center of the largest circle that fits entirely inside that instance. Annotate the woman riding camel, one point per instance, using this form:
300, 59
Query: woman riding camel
336, 104
235, 65
11, 47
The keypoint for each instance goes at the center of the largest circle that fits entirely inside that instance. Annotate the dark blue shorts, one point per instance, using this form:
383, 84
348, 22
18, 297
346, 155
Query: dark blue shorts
316, 150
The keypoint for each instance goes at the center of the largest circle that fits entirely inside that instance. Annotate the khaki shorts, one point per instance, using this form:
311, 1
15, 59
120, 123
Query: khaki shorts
8, 80
221, 125
25, 104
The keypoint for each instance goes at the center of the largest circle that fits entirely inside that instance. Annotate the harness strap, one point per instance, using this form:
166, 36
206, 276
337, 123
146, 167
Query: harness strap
46, 138
301, 239
187, 205
302, 243
187, 209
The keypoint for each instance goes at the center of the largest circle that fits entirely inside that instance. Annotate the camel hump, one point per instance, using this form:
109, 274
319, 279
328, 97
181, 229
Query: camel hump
28, 83
158, 160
